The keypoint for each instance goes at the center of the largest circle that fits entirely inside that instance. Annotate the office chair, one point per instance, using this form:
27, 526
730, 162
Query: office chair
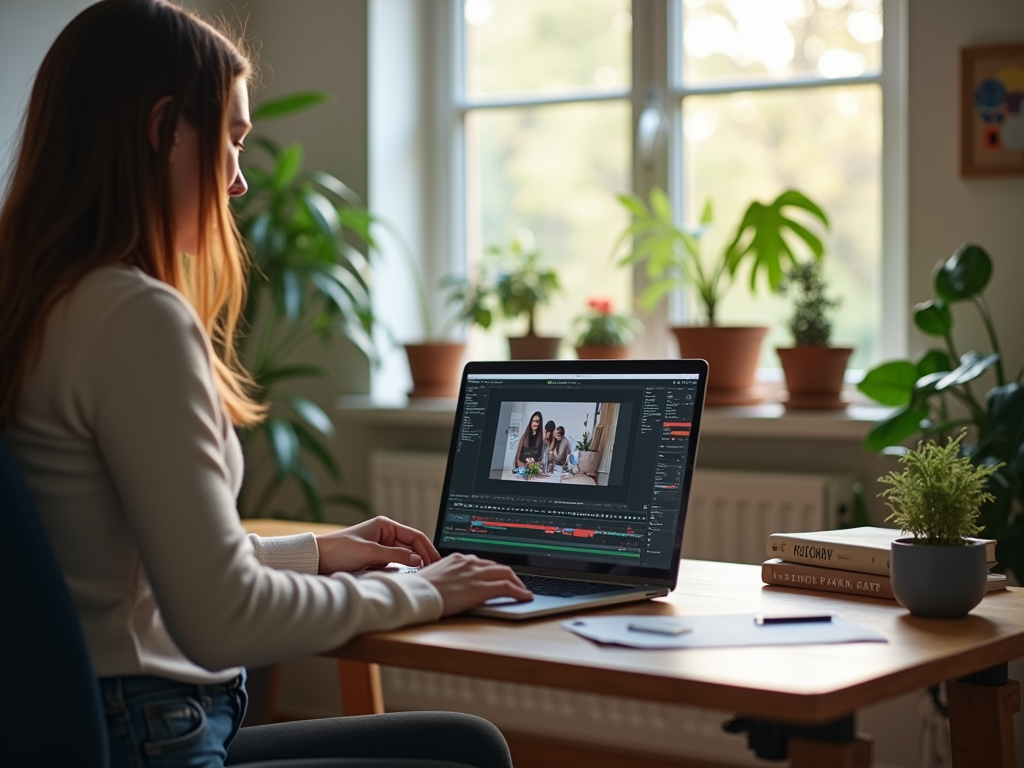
52, 711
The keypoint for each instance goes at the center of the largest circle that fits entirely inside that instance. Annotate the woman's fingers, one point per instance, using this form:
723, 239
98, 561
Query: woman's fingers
465, 581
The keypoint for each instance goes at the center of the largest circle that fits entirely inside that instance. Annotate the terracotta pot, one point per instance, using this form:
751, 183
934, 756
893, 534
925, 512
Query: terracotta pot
732, 353
814, 375
602, 352
436, 369
533, 347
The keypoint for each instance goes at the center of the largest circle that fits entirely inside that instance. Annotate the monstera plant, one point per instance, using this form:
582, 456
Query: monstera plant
936, 395
309, 279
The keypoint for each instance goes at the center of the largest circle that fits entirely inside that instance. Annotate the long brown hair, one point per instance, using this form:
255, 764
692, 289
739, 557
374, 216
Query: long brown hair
87, 190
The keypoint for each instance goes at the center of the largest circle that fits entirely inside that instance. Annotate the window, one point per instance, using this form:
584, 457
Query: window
547, 114
754, 96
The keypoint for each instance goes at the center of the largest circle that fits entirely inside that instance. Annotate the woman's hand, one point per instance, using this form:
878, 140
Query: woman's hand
466, 581
374, 543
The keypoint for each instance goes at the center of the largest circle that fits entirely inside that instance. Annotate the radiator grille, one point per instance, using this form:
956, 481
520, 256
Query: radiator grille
730, 516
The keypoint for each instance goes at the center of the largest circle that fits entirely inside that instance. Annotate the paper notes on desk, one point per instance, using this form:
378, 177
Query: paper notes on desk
718, 631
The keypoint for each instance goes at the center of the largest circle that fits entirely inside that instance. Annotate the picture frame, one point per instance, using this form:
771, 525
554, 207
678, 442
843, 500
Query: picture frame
992, 110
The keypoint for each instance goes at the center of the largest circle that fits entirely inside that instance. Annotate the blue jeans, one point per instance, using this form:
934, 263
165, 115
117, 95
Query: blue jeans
159, 723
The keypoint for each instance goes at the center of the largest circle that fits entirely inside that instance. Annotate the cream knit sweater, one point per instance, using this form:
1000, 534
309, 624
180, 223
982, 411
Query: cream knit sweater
135, 468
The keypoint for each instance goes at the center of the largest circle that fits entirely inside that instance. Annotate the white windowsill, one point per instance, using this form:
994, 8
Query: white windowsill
770, 420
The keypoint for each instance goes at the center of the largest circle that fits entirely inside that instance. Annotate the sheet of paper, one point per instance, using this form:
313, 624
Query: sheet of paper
719, 631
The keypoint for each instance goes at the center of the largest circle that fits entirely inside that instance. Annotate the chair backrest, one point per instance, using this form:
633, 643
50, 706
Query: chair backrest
52, 710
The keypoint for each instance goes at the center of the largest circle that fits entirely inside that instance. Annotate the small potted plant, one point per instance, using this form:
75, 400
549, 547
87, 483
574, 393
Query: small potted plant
938, 571
514, 282
675, 261
603, 334
587, 458
813, 369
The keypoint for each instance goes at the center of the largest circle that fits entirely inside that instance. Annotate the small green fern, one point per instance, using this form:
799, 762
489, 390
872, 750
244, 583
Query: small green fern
938, 496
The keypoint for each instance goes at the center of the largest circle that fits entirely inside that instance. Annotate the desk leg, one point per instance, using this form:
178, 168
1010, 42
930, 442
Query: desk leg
981, 711
360, 688
836, 744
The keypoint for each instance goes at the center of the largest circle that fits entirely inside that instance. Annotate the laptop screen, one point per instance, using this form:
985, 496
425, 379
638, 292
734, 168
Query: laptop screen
576, 466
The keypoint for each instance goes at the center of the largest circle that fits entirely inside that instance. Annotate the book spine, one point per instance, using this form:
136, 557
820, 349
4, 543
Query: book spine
786, 574
846, 557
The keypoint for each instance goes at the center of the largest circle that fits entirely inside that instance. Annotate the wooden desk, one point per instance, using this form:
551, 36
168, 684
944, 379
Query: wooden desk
811, 685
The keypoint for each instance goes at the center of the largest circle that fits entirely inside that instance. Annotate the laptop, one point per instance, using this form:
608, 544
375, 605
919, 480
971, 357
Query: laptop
592, 512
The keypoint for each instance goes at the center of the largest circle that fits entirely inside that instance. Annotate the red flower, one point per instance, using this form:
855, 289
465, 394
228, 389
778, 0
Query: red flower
604, 306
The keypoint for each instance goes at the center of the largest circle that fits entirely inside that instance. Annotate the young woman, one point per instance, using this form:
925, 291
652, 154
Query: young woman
121, 283
531, 444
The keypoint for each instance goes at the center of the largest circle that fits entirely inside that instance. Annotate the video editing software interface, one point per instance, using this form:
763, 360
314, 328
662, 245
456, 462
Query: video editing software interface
581, 467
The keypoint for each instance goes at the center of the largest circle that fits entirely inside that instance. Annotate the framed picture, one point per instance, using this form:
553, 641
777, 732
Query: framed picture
991, 110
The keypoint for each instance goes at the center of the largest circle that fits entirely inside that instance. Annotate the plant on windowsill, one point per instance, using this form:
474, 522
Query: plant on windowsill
938, 571
512, 282
604, 334
308, 280
674, 260
435, 361
813, 369
587, 457
933, 394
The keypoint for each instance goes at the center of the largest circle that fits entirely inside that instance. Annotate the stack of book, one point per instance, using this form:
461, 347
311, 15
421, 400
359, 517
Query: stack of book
853, 561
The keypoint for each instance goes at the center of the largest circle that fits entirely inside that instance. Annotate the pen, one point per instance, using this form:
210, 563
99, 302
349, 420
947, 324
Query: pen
762, 620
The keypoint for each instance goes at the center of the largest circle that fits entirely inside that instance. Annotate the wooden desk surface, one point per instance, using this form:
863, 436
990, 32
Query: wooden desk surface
807, 684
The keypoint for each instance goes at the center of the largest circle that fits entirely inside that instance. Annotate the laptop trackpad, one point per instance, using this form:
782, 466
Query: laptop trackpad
501, 601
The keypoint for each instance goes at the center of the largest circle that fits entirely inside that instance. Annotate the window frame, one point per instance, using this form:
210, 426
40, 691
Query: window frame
657, 83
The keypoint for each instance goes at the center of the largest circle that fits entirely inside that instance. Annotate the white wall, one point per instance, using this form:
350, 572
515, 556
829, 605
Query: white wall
27, 29
946, 209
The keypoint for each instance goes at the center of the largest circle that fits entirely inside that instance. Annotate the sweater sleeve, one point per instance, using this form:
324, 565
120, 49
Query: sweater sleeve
287, 553
146, 386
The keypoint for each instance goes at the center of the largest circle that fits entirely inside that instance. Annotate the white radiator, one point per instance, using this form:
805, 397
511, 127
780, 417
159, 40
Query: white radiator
730, 516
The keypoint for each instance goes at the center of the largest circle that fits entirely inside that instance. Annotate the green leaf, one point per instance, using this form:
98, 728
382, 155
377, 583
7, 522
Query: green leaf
335, 186
323, 213
289, 163
972, 365
317, 449
707, 215
312, 414
934, 317
284, 444
289, 105
895, 429
964, 274
933, 361
890, 383
1006, 414
271, 375
765, 225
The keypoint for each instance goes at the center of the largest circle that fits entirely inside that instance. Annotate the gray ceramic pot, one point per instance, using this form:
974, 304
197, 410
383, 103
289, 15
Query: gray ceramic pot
938, 582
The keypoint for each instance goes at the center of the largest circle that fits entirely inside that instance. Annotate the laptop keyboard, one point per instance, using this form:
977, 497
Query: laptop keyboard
553, 587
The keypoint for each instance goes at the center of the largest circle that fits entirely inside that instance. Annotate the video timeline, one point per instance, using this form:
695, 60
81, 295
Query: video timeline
583, 533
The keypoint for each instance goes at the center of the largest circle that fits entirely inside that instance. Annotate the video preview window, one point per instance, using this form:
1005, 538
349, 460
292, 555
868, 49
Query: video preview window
567, 443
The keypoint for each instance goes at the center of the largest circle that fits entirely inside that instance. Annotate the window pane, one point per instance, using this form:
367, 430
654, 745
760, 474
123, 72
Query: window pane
513, 46
554, 171
825, 142
755, 40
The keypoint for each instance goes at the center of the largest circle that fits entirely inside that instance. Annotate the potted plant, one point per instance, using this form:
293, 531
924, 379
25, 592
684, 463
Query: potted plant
435, 362
514, 282
587, 459
675, 261
938, 571
813, 369
603, 334
309, 281
934, 394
